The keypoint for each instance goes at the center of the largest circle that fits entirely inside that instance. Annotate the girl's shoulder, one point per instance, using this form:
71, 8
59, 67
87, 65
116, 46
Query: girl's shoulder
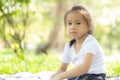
91, 41
91, 38
67, 45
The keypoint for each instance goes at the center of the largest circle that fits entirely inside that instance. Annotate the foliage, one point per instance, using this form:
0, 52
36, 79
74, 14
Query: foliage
24, 22
11, 64
14, 22
113, 68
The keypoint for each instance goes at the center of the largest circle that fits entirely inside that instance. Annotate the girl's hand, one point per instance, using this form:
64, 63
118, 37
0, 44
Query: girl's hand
51, 76
55, 78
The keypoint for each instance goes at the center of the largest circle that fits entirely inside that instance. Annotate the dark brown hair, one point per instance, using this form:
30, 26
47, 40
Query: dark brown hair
86, 16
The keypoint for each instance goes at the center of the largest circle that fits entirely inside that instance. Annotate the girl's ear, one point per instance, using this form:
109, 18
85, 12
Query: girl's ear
89, 25
90, 28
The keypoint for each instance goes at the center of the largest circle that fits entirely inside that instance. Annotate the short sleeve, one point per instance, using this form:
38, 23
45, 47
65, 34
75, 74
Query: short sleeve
66, 54
91, 47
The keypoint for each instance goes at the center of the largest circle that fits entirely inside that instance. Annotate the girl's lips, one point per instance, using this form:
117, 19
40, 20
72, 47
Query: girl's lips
73, 33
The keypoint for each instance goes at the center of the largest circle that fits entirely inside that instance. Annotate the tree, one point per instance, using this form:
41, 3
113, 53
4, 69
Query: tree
14, 22
54, 36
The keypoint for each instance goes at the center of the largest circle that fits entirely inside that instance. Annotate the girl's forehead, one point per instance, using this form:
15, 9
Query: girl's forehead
74, 15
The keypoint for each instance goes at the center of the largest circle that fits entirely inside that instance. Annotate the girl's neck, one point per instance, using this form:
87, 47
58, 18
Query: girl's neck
81, 39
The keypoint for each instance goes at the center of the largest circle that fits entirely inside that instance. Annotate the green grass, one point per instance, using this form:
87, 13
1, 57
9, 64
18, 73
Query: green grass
113, 68
10, 64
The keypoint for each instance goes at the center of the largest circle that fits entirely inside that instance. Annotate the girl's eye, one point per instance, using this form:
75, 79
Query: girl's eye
78, 23
69, 23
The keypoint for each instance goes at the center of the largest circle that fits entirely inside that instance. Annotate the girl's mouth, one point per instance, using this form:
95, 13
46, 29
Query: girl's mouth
73, 33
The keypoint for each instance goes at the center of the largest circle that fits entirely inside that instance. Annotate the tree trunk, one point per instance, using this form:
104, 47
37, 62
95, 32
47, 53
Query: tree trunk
54, 36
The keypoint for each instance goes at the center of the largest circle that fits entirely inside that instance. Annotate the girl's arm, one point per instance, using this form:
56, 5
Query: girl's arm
79, 70
62, 69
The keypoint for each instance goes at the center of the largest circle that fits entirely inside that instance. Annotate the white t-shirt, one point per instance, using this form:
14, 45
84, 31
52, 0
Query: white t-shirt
90, 45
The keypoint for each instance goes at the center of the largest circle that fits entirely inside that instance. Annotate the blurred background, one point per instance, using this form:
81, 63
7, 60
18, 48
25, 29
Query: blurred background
37, 27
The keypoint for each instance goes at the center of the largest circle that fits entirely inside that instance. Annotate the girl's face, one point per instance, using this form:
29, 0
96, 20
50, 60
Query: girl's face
76, 24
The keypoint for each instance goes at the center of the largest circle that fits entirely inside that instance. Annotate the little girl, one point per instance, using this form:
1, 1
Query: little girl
83, 50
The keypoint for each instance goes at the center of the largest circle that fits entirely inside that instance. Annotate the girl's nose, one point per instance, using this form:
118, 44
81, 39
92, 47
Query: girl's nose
72, 26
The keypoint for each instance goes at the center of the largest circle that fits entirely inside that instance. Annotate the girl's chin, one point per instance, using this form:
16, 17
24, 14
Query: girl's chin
73, 36
76, 37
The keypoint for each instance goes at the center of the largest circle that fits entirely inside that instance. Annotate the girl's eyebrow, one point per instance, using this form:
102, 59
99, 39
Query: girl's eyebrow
75, 20
79, 20
68, 20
